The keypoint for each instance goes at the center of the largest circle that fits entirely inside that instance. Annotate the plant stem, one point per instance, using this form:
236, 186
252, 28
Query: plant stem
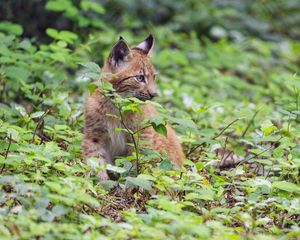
38, 124
262, 152
250, 122
218, 135
6, 153
135, 143
225, 128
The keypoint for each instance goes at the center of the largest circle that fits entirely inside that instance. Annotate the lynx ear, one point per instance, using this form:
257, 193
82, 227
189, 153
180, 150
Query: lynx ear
147, 45
119, 53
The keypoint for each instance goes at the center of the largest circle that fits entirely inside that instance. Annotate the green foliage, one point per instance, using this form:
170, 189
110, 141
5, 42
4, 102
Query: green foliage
84, 15
241, 96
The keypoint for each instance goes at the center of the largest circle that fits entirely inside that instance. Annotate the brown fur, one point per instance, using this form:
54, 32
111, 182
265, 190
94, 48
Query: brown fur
100, 138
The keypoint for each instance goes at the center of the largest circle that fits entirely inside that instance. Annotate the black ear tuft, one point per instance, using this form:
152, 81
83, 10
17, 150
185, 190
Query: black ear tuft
119, 53
147, 45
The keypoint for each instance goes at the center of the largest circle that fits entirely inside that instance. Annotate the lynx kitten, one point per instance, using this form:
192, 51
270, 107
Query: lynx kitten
131, 74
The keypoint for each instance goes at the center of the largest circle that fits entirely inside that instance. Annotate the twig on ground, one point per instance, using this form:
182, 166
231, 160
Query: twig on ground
262, 152
38, 124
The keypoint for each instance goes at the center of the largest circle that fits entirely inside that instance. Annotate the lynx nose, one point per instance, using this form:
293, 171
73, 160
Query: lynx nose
152, 94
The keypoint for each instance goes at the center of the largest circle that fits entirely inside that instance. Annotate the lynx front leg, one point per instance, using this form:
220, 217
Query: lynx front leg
92, 148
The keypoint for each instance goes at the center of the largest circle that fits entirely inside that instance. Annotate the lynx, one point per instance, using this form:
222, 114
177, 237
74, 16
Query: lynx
131, 74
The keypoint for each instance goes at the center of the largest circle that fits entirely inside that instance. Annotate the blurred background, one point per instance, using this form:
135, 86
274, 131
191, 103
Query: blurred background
266, 19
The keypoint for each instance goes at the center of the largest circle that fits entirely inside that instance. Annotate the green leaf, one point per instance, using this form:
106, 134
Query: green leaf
14, 134
11, 28
139, 182
17, 72
25, 44
191, 196
94, 6
115, 169
37, 114
286, 186
160, 128
103, 85
67, 36
146, 177
203, 194
166, 165
93, 67
268, 127
92, 87
109, 184
59, 210
187, 123
64, 35
52, 33
21, 109
169, 206
62, 6
61, 166
278, 152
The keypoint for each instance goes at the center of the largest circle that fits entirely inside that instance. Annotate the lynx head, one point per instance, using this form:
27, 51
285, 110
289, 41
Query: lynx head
133, 74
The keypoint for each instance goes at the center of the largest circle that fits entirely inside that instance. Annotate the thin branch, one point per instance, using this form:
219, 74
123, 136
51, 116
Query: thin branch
6, 153
250, 122
141, 129
194, 149
38, 124
53, 90
260, 153
132, 137
268, 173
224, 129
9, 143
218, 135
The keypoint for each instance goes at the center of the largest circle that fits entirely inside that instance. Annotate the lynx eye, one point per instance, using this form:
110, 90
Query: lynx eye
141, 78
